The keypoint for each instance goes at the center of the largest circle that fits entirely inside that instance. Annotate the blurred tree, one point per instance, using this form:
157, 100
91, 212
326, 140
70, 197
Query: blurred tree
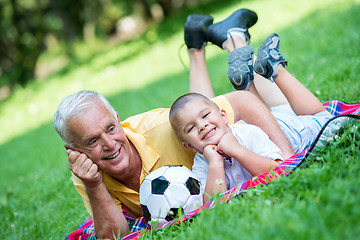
78, 20
21, 41
70, 14
167, 6
26, 24
146, 6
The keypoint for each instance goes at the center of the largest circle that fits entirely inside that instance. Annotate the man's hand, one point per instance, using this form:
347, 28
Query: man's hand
84, 168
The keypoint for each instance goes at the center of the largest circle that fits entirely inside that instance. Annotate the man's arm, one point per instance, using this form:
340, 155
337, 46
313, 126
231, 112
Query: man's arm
248, 107
109, 221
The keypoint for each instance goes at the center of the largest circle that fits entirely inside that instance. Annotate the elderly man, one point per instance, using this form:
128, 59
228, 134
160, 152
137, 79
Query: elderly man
109, 159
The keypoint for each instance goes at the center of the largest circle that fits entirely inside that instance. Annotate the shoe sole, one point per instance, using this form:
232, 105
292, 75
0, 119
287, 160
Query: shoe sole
269, 59
240, 70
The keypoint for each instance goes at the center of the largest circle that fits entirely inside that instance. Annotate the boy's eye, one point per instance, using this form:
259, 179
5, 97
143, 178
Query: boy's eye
206, 115
191, 128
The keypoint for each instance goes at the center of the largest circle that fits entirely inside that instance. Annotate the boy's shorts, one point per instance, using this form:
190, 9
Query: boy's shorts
301, 131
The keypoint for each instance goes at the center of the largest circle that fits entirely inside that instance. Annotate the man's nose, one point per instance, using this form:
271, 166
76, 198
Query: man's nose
108, 141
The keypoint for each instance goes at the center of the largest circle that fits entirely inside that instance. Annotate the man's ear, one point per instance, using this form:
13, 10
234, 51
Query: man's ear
224, 116
188, 146
117, 116
67, 147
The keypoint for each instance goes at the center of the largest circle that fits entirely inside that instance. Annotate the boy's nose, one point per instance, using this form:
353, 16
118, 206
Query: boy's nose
202, 126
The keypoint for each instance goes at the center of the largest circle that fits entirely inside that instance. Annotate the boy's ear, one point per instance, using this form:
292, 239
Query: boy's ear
225, 116
188, 146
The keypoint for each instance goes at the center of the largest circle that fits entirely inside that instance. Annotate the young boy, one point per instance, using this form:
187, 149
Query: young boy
227, 156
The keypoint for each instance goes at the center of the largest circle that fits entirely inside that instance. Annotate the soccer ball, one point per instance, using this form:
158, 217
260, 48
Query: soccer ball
165, 190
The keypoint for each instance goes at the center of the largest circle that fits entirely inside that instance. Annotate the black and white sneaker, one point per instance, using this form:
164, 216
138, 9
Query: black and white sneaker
240, 70
269, 58
194, 30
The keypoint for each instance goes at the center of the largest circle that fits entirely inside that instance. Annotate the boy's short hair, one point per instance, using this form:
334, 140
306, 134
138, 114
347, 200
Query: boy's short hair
181, 102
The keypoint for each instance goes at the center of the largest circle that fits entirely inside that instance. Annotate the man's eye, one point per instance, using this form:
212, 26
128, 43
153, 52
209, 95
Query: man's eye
93, 142
112, 129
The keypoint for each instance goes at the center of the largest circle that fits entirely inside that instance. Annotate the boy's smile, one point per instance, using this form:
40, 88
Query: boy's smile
201, 124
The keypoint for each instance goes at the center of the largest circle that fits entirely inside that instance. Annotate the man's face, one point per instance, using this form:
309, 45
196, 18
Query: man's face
98, 133
201, 124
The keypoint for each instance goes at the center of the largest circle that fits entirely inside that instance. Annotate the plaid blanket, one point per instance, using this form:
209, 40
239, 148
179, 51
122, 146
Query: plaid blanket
335, 107
86, 229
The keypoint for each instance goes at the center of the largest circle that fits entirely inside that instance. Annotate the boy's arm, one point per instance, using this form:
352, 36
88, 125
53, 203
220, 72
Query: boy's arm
248, 107
254, 163
216, 181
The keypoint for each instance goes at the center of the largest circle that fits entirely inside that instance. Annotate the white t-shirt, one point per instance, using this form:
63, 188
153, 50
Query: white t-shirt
252, 138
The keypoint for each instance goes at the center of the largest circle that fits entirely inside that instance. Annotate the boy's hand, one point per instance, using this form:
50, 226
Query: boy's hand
216, 180
212, 155
84, 168
228, 145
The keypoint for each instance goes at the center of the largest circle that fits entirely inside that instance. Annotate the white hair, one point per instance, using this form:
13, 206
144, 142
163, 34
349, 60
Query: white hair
71, 106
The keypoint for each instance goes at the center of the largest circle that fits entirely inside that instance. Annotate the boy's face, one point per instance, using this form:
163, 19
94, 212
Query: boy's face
201, 124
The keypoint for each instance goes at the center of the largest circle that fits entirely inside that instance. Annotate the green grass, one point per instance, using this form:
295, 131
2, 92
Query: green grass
320, 39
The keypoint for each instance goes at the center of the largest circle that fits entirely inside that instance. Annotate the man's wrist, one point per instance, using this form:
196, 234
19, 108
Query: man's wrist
94, 186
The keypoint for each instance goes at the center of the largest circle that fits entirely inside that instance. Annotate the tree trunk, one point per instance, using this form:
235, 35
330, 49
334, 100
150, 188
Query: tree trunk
166, 6
146, 9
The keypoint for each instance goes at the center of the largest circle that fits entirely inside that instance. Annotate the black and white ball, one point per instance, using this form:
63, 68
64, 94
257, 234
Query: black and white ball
165, 190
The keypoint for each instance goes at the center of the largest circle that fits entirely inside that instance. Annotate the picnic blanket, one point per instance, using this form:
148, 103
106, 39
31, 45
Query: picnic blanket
342, 112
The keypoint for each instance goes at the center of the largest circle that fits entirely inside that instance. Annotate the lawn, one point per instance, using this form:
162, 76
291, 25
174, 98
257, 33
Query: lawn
320, 40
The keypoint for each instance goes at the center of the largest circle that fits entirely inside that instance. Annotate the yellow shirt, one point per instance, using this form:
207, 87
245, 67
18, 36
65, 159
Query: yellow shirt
157, 144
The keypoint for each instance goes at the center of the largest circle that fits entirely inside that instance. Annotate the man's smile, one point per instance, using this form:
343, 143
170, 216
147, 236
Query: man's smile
113, 155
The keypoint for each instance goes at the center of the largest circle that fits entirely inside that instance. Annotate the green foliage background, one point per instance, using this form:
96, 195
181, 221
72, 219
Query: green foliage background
320, 40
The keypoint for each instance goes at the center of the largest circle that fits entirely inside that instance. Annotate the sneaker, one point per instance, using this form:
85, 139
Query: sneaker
241, 19
240, 70
269, 58
195, 28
